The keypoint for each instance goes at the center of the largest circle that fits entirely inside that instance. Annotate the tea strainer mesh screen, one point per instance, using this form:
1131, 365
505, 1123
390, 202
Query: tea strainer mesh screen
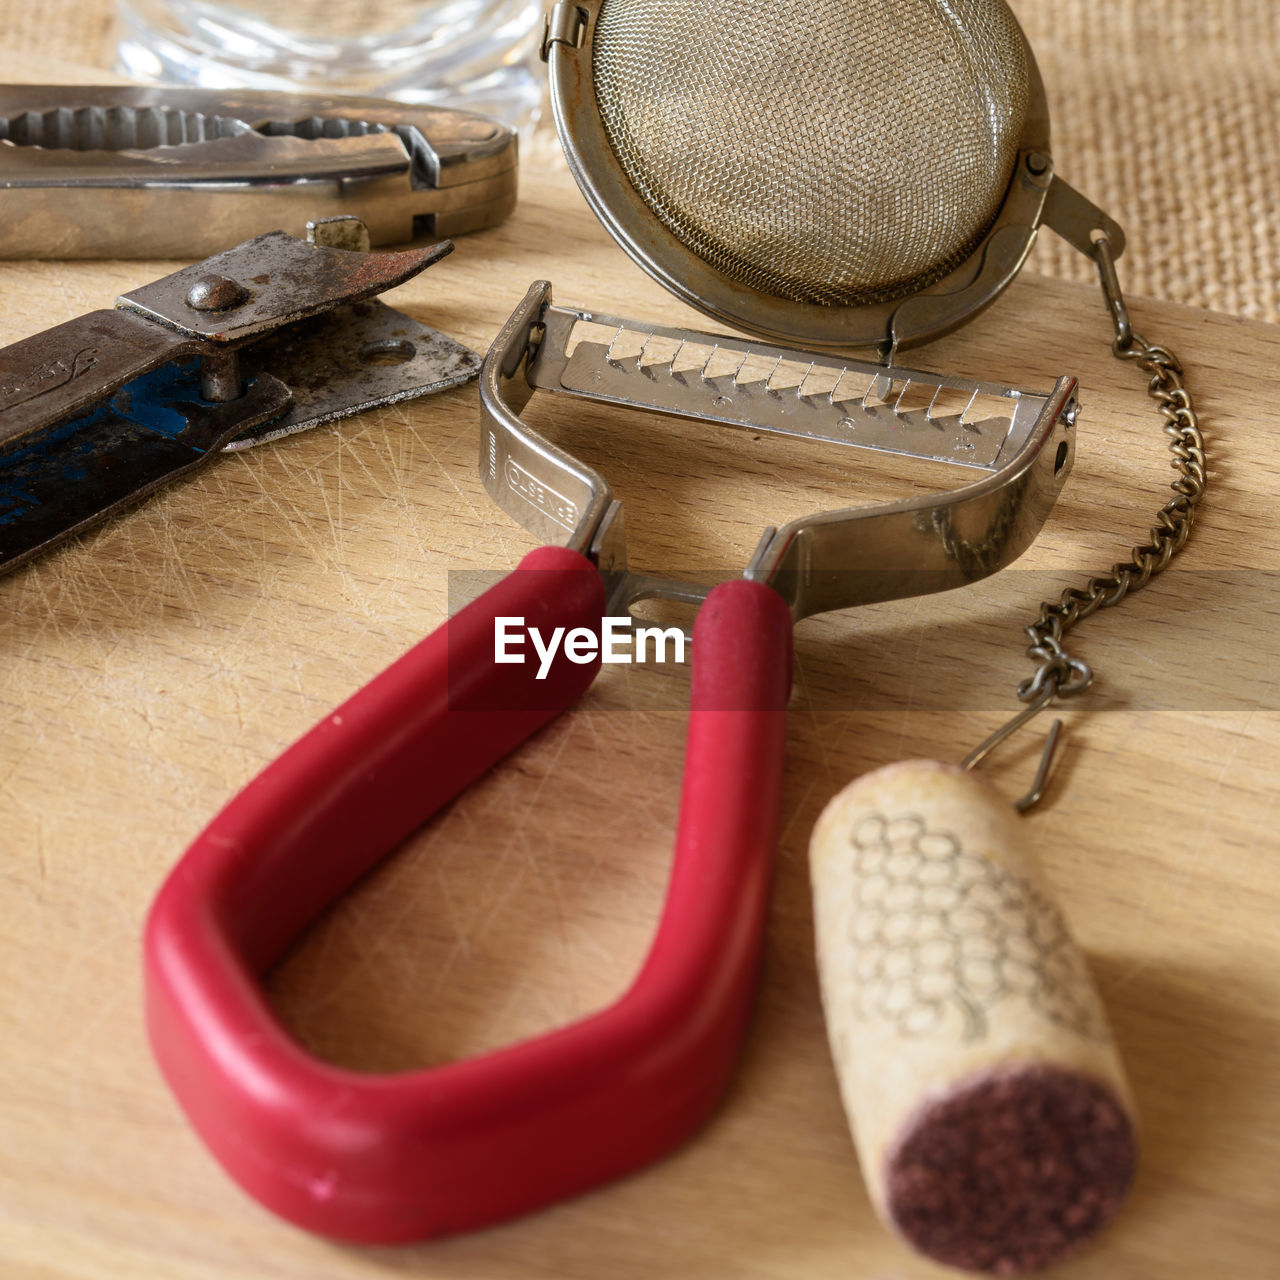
736, 123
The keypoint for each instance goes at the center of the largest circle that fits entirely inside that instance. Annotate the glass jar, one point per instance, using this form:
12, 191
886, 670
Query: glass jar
481, 55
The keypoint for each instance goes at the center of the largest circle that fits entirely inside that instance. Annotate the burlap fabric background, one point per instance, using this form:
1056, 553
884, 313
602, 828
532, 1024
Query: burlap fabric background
1165, 112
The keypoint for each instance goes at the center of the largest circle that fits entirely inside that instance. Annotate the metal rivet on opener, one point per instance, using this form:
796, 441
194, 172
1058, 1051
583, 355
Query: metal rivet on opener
1037, 163
216, 293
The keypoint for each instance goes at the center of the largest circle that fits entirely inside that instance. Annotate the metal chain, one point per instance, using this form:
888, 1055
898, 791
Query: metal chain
1068, 675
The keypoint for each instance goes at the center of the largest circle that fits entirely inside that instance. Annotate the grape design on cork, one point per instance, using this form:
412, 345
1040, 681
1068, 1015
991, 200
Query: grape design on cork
943, 934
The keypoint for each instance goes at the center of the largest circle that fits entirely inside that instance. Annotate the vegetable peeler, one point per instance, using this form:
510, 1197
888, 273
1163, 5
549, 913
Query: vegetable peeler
263, 340
106, 172
424, 1153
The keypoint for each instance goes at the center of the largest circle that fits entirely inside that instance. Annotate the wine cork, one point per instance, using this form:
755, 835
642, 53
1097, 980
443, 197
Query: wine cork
988, 1104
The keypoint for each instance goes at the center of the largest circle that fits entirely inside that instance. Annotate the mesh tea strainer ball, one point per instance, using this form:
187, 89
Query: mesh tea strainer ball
864, 173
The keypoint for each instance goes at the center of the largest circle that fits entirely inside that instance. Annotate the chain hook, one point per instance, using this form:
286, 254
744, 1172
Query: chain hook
1047, 694
1116, 306
1058, 670
1058, 674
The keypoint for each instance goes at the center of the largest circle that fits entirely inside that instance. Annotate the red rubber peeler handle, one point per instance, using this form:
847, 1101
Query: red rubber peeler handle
395, 1158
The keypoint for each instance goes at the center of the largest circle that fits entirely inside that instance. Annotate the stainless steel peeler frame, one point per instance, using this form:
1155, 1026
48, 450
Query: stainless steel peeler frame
831, 560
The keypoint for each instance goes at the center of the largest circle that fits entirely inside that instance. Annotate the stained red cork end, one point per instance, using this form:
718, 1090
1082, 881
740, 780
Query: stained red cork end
1012, 1172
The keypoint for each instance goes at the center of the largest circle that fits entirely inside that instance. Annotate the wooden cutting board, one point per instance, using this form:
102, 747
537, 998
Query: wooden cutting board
150, 669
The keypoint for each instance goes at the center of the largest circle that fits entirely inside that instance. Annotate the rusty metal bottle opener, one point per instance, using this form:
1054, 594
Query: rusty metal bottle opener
103, 172
268, 338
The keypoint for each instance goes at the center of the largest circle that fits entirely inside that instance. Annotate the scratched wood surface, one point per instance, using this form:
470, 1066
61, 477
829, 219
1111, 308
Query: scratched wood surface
152, 668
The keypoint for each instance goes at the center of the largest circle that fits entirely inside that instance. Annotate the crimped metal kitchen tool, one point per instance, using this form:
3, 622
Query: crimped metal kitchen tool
266, 339
844, 174
466, 1144
109, 172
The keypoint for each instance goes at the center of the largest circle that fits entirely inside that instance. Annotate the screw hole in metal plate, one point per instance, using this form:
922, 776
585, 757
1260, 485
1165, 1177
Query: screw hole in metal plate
386, 351
1060, 458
